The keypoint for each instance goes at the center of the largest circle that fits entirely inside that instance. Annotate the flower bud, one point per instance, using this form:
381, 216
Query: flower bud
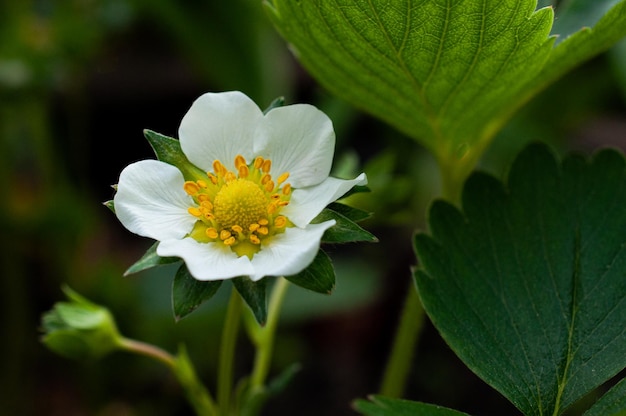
80, 329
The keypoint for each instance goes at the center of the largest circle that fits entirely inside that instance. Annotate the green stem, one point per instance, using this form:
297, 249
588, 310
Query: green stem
197, 395
264, 339
227, 352
401, 357
454, 170
148, 350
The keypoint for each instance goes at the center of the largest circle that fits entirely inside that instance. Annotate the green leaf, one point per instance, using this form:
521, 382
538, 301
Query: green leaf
150, 259
188, 293
527, 284
344, 231
384, 406
254, 294
441, 72
574, 15
612, 403
581, 46
319, 276
447, 73
168, 150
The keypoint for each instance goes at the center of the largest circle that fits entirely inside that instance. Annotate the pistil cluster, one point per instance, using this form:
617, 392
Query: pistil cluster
241, 209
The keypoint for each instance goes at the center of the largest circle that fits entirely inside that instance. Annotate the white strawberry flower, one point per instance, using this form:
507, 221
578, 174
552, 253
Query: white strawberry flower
267, 177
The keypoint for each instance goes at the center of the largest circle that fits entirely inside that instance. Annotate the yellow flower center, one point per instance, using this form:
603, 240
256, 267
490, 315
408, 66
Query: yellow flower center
239, 210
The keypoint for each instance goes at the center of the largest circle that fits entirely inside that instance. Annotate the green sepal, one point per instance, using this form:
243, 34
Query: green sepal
110, 205
254, 294
319, 276
356, 189
168, 150
353, 214
344, 231
150, 259
385, 406
188, 293
277, 102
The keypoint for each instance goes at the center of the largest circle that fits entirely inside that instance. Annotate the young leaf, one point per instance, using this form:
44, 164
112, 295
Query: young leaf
319, 276
384, 406
150, 259
254, 294
527, 284
189, 293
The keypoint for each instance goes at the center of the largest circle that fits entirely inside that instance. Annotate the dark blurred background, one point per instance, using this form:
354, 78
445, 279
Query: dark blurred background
81, 79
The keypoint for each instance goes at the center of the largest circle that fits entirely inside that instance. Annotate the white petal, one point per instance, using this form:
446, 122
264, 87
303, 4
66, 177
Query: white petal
290, 252
150, 200
219, 126
306, 203
299, 139
206, 261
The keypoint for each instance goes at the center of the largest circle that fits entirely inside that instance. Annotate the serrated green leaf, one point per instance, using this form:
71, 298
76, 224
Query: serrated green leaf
188, 293
441, 72
527, 284
319, 276
581, 46
344, 231
574, 15
254, 294
612, 403
168, 150
384, 406
277, 102
150, 259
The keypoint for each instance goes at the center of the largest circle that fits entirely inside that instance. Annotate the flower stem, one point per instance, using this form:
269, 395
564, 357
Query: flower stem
227, 352
148, 350
401, 357
197, 395
453, 170
265, 336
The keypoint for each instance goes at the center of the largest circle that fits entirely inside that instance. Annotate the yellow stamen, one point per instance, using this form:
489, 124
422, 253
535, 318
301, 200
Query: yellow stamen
212, 177
263, 230
218, 168
265, 178
194, 211
230, 241
229, 176
243, 171
269, 186
258, 162
237, 229
282, 178
287, 189
263, 221
267, 165
191, 188
202, 184
280, 221
254, 239
224, 234
240, 161
253, 227
211, 233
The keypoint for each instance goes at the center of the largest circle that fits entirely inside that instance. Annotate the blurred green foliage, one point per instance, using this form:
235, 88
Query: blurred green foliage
81, 79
